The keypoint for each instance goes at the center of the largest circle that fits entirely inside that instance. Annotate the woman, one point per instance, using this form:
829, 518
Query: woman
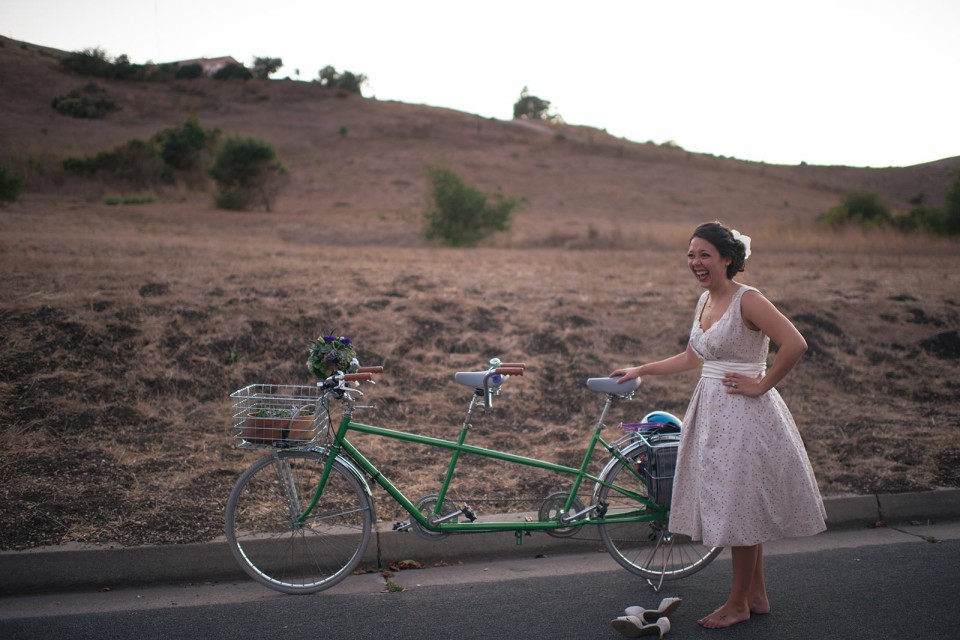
743, 476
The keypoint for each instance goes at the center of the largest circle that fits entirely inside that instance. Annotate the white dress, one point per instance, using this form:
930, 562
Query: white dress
743, 476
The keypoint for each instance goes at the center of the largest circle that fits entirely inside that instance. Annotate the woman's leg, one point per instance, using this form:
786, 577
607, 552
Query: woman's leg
737, 607
757, 598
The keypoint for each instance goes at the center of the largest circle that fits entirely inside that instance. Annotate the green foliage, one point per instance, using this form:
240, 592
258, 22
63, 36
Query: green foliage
89, 62
143, 198
459, 215
244, 169
923, 217
184, 149
232, 71
530, 107
346, 82
11, 184
190, 71
89, 101
858, 207
263, 68
136, 162
144, 163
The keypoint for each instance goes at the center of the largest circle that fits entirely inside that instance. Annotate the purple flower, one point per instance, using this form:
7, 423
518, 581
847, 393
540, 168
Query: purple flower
345, 341
328, 338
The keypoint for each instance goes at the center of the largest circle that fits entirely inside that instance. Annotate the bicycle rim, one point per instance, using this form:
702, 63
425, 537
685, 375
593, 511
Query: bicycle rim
274, 547
648, 549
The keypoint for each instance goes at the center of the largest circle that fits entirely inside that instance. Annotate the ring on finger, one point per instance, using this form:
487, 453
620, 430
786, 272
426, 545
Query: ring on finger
733, 384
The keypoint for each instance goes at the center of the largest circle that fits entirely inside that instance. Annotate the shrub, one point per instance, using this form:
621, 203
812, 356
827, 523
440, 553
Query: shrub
459, 215
951, 207
231, 71
183, 149
245, 169
530, 107
347, 82
263, 68
89, 101
859, 207
137, 163
190, 71
923, 217
89, 62
11, 185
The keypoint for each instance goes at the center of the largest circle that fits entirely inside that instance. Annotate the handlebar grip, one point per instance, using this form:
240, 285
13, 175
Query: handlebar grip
513, 365
358, 377
370, 370
509, 371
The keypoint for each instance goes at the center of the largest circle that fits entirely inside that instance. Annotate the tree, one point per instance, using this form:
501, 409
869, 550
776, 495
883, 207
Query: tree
460, 215
263, 68
347, 81
232, 70
530, 107
245, 169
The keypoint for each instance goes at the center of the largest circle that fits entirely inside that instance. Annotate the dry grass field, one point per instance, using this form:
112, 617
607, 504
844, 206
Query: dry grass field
124, 328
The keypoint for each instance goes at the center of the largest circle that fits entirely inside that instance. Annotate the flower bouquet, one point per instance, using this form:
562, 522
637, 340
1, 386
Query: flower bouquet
329, 354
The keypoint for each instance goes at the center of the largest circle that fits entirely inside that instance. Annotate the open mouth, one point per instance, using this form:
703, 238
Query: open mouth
702, 275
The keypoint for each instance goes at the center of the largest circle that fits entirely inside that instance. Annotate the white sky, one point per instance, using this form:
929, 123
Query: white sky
854, 82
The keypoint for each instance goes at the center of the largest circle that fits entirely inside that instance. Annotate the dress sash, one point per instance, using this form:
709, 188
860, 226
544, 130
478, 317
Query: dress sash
717, 368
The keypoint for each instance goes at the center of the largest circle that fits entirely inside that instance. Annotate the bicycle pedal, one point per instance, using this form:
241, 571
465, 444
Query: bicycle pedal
468, 514
401, 526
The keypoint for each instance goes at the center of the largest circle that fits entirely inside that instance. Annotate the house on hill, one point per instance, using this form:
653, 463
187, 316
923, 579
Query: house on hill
210, 65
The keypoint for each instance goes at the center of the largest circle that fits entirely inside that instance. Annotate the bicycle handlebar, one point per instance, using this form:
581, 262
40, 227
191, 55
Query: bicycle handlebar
509, 371
358, 377
370, 370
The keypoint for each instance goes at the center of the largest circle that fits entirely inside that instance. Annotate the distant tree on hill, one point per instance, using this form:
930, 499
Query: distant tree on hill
263, 68
459, 215
231, 71
530, 107
347, 81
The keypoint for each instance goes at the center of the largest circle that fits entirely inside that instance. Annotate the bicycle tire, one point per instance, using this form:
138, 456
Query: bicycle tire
647, 549
273, 547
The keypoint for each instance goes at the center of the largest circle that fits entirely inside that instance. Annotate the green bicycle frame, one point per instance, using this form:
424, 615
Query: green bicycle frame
650, 512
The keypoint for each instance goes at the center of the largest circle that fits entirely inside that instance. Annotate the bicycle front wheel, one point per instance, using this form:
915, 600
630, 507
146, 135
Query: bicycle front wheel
647, 549
273, 545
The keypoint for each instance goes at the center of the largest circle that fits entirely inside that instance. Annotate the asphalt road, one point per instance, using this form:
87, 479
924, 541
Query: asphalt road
851, 585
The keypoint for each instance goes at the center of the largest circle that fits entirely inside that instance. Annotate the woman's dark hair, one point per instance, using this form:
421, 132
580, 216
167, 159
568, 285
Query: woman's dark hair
722, 238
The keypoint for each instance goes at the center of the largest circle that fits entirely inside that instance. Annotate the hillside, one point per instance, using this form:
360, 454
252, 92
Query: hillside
124, 328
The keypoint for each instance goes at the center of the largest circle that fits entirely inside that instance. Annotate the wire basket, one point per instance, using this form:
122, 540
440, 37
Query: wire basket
275, 415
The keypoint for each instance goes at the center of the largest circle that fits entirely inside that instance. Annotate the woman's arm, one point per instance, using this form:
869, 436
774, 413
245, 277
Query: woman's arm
681, 362
761, 314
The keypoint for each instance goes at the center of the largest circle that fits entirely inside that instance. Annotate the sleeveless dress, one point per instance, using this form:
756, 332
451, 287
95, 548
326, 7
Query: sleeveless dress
743, 476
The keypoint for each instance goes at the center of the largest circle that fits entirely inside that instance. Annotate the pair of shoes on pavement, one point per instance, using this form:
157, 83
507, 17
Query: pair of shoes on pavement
638, 622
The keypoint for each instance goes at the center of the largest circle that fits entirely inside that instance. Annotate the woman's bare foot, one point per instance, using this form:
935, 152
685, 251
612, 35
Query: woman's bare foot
726, 616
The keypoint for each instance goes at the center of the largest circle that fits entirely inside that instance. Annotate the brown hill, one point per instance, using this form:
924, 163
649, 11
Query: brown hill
123, 328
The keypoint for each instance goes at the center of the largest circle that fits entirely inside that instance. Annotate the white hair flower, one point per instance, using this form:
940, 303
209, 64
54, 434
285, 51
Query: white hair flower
744, 239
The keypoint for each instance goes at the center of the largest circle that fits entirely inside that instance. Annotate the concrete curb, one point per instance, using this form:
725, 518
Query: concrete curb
65, 568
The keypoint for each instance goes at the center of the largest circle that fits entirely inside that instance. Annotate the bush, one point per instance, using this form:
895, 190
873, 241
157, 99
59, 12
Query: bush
89, 62
183, 149
530, 107
246, 169
859, 207
347, 82
231, 71
951, 207
137, 163
11, 185
190, 71
87, 102
924, 217
459, 215
263, 68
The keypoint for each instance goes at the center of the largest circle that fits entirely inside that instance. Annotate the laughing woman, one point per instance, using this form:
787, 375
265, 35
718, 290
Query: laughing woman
743, 477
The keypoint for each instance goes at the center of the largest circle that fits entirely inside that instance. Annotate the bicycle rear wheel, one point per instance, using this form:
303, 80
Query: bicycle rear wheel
271, 544
647, 549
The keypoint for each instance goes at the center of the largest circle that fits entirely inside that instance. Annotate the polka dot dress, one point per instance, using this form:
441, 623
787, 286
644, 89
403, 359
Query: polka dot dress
743, 476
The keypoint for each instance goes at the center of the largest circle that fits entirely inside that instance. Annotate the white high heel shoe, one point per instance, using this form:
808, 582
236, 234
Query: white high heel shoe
649, 616
633, 627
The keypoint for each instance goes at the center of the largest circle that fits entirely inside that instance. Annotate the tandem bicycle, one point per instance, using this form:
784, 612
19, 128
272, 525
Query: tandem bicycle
299, 519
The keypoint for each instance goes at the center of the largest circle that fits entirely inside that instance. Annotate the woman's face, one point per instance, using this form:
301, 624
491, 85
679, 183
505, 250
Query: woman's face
706, 264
